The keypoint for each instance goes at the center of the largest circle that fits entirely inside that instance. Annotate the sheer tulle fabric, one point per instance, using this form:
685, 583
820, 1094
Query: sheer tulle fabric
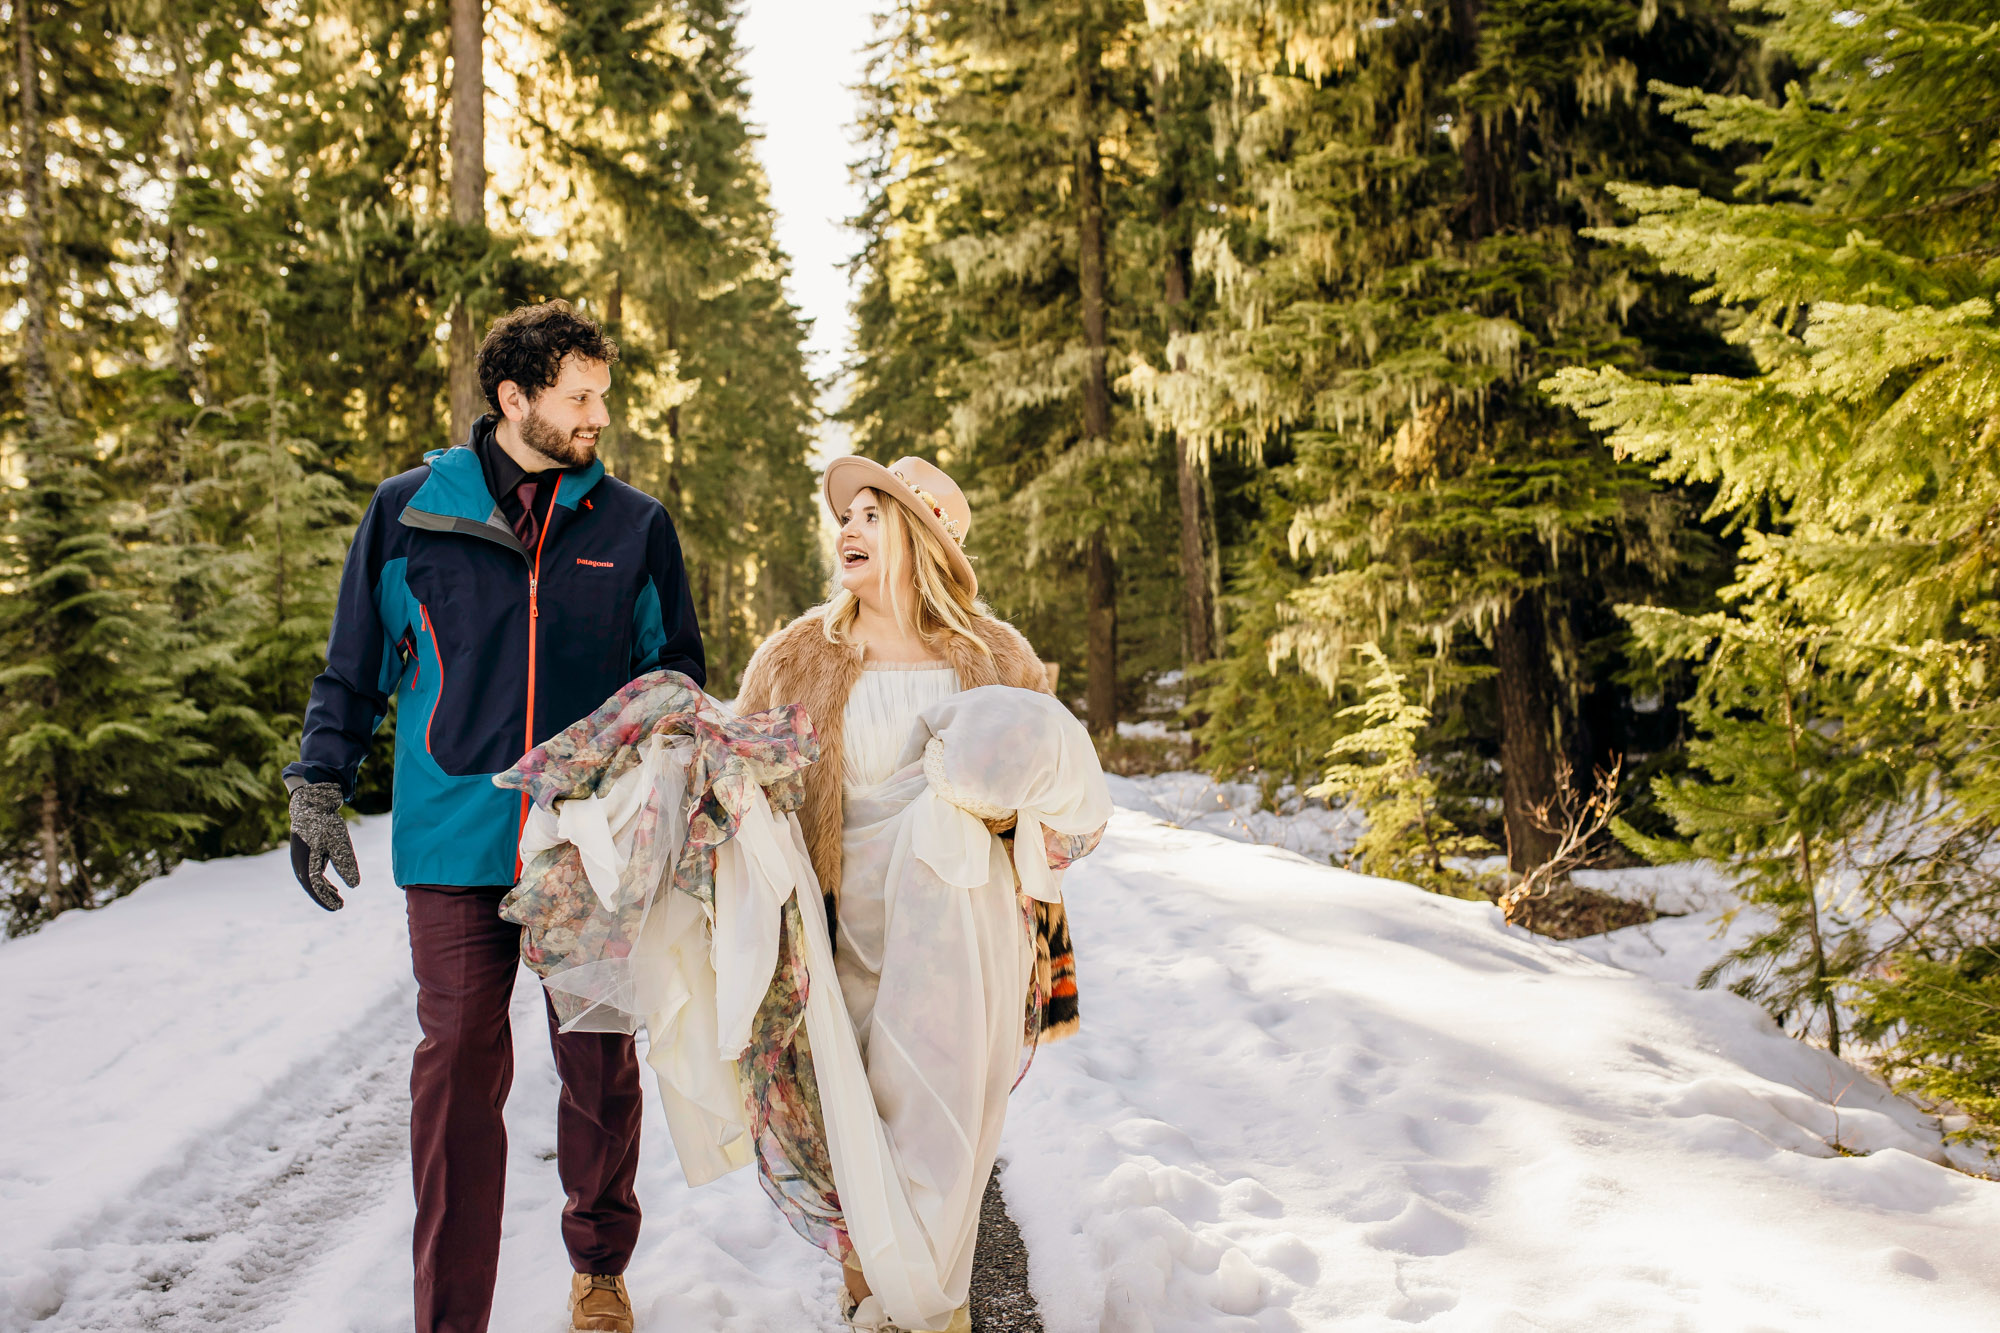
934, 977
607, 993
624, 803
1002, 748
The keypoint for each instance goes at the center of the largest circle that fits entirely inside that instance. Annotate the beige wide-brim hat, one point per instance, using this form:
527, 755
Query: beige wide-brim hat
923, 489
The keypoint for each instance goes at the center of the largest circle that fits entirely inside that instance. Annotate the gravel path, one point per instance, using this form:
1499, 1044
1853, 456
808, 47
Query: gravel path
1001, 1301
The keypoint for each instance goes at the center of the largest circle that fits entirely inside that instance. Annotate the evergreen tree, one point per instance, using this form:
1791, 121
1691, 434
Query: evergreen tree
997, 313
1857, 451
1422, 175
1408, 836
1942, 1014
95, 797
1780, 797
295, 517
468, 197
1264, 716
1192, 184
899, 399
106, 771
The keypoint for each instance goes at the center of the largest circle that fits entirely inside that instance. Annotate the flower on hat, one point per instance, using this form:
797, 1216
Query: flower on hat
930, 502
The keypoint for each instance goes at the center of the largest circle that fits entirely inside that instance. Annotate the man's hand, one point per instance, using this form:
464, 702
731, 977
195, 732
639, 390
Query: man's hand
319, 833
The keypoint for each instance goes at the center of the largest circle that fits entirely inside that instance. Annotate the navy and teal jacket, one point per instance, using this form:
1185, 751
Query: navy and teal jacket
489, 648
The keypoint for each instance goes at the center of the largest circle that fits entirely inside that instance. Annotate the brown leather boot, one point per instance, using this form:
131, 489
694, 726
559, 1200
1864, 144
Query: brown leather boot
598, 1303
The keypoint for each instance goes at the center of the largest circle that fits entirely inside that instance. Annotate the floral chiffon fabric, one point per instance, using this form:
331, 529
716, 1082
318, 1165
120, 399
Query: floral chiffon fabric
567, 927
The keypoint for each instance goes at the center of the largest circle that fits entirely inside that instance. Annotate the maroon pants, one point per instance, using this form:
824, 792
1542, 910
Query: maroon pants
465, 958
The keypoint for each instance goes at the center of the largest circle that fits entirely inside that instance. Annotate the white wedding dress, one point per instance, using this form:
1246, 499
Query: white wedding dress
934, 975
916, 1029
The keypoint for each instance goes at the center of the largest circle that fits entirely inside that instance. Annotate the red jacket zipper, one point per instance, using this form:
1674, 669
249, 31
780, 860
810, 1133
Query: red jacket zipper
534, 616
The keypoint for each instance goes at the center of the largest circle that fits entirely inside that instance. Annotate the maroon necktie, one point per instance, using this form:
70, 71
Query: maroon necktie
525, 527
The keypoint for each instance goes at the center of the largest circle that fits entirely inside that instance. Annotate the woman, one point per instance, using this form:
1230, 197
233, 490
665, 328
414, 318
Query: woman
904, 633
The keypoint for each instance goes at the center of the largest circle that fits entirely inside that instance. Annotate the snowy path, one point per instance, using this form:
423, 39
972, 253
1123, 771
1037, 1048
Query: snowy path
1304, 1100
220, 1241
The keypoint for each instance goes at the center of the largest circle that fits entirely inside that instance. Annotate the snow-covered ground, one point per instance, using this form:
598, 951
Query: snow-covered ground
1236, 810
1677, 947
1303, 1100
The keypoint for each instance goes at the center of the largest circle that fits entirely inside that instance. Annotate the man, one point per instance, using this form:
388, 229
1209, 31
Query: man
501, 591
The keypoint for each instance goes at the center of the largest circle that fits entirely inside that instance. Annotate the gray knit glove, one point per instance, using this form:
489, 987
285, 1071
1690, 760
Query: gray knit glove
320, 834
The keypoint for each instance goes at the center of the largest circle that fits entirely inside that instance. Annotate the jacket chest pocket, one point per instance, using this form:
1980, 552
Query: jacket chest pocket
588, 602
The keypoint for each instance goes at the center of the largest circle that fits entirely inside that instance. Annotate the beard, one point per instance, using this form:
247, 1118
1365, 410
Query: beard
554, 444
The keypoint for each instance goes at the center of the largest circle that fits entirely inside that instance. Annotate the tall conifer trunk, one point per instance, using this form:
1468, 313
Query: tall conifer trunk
671, 336
52, 839
611, 443
1527, 682
1484, 181
174, 465
1100, 571
1197, 511
1527, 740
468, 193
36, 386
718, 629
180, 120
40, 426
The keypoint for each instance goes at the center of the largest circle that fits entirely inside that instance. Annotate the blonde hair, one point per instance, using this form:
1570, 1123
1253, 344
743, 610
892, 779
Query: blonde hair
943, 608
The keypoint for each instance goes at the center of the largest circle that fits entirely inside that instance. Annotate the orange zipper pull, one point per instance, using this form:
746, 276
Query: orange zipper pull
534, 603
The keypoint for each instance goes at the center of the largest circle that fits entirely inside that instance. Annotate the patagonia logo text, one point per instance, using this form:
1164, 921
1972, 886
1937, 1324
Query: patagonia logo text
594, 564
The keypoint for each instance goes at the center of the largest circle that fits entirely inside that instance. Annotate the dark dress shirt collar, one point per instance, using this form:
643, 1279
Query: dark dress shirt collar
504, 476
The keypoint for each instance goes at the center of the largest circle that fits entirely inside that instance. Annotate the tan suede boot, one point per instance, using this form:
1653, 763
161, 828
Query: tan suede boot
598, 1303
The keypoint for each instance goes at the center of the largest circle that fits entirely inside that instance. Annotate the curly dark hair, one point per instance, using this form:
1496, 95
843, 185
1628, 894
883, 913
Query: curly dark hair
528, 345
